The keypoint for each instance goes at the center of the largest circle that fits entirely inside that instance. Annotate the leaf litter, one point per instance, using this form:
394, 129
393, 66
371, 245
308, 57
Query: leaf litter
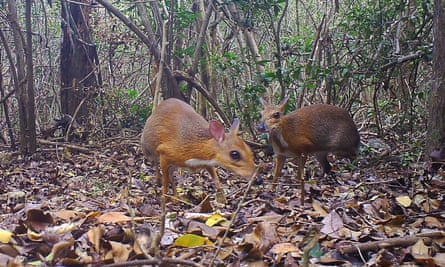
71, 208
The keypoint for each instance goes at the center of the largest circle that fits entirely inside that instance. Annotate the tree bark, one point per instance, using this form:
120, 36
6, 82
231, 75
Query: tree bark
79, 66
4, 97
24, 85
436, 119
170, 86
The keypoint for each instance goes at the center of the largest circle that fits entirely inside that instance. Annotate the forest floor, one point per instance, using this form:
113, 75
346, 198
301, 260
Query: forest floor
97, 205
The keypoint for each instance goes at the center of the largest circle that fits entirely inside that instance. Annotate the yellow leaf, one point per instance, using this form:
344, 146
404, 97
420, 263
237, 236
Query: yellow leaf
191, 241
405, 201
33, 236
180, 190
147, 178
5, 236
215, 219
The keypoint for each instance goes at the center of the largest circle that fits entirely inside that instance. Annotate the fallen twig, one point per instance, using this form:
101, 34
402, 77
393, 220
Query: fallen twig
157, 262
391, 242
70, 146
235, 214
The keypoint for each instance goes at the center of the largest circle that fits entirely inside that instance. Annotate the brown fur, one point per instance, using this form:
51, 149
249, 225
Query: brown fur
316, 129
176, 136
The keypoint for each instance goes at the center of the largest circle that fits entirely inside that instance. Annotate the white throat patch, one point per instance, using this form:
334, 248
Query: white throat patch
200, 162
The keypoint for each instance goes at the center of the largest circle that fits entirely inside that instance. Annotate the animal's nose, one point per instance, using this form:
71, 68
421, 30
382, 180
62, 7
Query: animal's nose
262, 127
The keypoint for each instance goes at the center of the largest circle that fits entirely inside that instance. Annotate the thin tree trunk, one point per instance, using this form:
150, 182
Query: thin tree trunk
436, 120
170, 86
25, 98
29, 134
4, 97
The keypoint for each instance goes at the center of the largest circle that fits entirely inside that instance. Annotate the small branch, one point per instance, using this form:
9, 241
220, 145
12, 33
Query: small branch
391, 242
232, 221
67, 134
193, 81
200, 40
156, 262
74, 147
402, 59
7, 95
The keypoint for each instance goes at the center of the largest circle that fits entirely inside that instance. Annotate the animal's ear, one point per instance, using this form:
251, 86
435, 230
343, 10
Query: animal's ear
283, 102
235, 126
217, 131
264, 102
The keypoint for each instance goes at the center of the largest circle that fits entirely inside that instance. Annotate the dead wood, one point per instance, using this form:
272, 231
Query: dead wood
387, 243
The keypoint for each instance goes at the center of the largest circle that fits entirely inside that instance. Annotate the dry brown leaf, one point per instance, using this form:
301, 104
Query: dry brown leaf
202, 229
370, 210
395, 226
94, 236
255, 264
419, 199
439, 259
433, 222
316, 205
142, 244
67, 215
284, 248
267, 218
113, 217
206, 206
10, 250
169, 238
5, 260
38, 220
435, 204
61, 249
120, 251
63, 228
420, 249
329, 261
260, 240
332, 224
425, 261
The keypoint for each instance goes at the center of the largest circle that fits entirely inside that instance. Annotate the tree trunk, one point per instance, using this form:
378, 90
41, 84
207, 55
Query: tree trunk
170, 86
436, 120
24, 86
4, 96
79, 66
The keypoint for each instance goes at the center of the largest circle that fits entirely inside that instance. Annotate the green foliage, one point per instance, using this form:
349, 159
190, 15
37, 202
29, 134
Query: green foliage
408, 157
229, 61
138, 112
249, 98
185, 18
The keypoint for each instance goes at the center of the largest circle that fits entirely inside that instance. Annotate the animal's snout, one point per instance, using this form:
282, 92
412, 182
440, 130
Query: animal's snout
262, 127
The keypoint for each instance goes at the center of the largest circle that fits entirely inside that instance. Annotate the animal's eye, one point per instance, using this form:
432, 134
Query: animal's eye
276, 115
235, 155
